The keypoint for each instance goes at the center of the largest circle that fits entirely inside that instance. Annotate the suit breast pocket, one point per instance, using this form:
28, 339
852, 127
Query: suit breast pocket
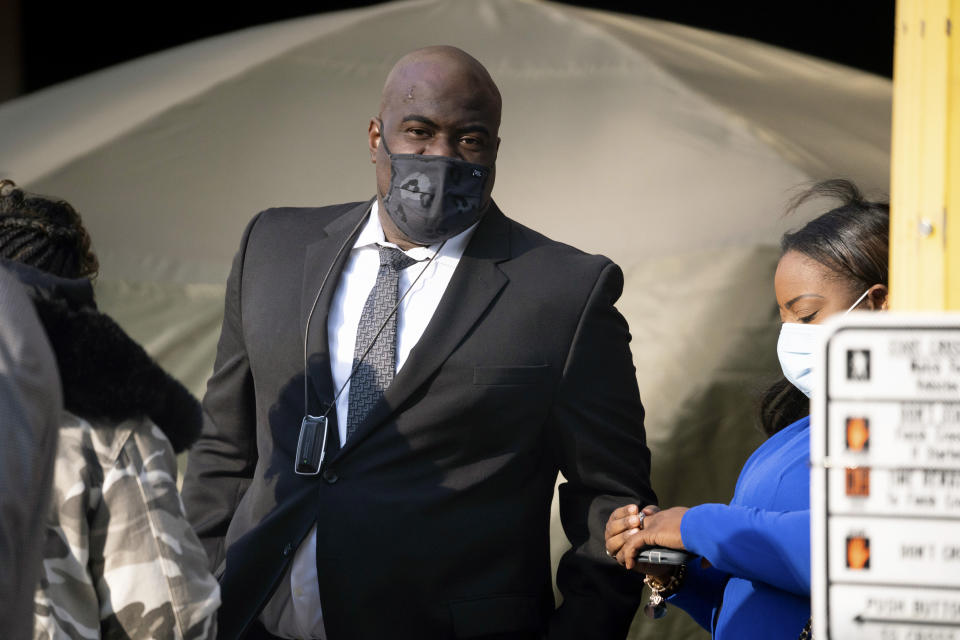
511, 375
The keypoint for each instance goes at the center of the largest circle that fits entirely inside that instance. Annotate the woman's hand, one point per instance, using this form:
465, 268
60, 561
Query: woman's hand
623, 523
660, 529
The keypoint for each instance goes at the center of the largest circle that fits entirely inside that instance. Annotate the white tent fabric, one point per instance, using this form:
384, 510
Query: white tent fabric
670, 149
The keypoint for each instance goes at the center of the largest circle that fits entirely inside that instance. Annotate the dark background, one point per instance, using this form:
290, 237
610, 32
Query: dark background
43, 42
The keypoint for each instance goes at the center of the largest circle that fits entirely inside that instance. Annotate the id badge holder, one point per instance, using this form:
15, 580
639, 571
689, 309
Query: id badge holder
312, 445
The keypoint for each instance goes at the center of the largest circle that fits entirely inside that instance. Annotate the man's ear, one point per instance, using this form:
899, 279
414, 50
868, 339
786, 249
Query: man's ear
373, 138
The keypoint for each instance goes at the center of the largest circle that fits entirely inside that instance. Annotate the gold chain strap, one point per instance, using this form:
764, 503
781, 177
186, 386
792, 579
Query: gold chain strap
660, 591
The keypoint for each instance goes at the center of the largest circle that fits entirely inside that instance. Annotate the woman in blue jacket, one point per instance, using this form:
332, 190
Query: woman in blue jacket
750, 577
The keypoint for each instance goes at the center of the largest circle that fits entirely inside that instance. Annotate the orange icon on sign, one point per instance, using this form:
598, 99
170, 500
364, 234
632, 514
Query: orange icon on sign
858, 481
858, 434
858, 552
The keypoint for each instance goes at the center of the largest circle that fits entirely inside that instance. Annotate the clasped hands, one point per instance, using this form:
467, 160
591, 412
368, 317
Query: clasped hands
629, 530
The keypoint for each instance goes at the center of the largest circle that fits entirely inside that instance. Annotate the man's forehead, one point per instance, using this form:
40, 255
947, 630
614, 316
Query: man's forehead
431, 79
443, 78
421, 99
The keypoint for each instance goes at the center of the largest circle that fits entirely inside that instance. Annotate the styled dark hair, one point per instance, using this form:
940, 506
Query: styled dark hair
45, 233
852, 240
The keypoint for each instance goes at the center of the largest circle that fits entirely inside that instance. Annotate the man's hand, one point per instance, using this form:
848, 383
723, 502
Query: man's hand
623, 523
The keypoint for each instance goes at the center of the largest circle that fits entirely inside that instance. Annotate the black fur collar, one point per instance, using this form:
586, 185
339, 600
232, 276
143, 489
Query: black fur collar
106, 376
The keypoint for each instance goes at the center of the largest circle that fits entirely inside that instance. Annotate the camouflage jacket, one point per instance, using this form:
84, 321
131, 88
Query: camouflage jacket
120, 559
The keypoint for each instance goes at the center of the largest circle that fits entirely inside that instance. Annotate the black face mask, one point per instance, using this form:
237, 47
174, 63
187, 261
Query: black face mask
433, 198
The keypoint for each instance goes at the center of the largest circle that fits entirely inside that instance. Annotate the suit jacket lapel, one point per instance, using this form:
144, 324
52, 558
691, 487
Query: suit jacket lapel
473, 287
322, 258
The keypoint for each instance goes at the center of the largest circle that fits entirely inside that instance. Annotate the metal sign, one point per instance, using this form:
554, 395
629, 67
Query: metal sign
885, 479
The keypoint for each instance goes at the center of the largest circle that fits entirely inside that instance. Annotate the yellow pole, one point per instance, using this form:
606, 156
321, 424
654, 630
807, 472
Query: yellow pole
951, 236
925, 164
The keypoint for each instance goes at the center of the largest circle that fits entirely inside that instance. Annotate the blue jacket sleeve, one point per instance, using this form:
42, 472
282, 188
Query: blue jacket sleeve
772, 547
701, 594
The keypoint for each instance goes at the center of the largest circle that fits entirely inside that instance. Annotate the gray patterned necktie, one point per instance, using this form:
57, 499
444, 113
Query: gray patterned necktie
377, 369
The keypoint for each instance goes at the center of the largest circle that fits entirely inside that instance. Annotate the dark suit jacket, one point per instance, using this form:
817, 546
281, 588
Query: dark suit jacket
433, 519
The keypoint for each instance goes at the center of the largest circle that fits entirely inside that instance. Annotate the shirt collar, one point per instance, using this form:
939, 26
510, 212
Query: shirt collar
372, 234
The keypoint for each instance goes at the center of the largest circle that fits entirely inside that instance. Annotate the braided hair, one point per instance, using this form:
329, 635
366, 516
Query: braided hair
44, 233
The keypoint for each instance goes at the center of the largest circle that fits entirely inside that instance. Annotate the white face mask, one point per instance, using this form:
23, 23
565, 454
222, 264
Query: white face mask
795, 350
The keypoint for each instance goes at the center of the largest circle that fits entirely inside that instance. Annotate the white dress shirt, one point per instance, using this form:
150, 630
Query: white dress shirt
302, 617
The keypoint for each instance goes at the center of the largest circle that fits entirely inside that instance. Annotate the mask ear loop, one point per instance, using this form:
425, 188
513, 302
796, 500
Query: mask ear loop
859, 300
386, 149
310, 421
383, 139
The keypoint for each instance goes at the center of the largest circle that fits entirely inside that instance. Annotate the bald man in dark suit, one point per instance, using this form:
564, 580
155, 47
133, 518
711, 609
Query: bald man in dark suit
506, 363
